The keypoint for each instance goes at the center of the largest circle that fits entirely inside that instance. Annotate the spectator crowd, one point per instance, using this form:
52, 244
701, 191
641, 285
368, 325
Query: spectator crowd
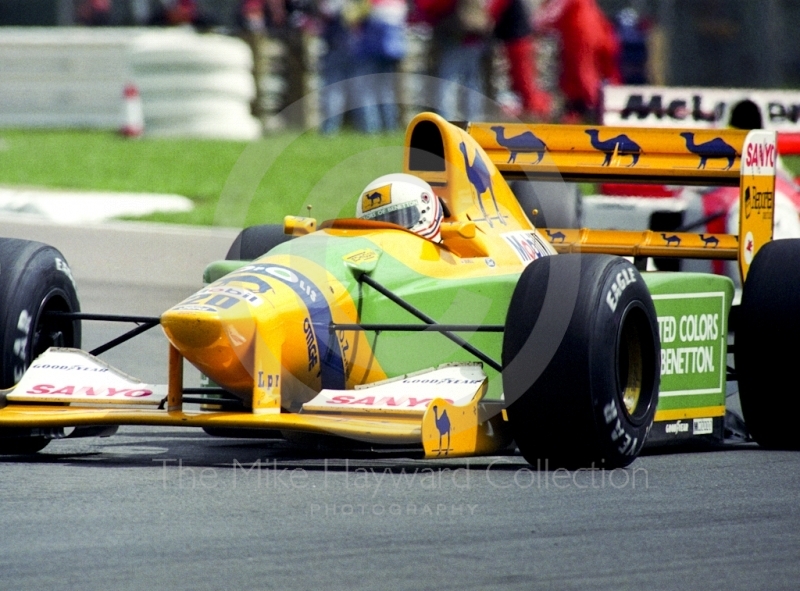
366, 38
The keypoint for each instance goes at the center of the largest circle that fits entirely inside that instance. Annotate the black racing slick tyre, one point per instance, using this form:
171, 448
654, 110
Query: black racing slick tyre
255, 241
767, 348
581, 381
35, 279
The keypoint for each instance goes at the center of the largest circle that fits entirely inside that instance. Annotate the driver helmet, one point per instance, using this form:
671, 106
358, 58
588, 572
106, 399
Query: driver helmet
405, 200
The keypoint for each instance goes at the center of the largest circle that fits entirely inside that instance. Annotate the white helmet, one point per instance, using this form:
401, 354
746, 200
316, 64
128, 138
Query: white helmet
404, 200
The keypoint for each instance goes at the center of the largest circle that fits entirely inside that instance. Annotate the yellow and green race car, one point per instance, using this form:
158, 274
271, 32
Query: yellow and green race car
457, 343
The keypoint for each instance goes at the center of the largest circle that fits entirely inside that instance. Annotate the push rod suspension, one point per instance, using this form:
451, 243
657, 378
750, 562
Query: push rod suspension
145, 324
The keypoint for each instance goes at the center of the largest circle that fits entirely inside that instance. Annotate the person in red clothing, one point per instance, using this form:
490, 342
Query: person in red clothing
513, 28
589, 51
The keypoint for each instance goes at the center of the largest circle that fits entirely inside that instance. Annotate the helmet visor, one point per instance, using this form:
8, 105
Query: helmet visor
403, 214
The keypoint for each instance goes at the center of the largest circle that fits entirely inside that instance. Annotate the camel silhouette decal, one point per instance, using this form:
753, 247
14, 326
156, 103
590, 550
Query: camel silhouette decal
478, 174
373, 197
621, 145
709, 241
715, 148
555, 236
525, 143
670, 240
443, 426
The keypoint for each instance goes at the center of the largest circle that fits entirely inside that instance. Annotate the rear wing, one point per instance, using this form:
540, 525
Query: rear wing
644, 155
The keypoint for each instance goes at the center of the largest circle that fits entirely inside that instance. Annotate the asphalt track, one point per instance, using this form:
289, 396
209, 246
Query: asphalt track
177, 509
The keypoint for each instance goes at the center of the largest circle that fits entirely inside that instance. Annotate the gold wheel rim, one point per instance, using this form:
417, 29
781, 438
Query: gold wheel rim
631, 366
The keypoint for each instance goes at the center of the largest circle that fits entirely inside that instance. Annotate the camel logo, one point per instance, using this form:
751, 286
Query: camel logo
673, 240
617, 146
376, 197
481, 180
443, 427
525, 143
714, 148
709, 241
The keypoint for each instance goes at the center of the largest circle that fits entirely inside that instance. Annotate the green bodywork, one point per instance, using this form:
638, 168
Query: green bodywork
693, 311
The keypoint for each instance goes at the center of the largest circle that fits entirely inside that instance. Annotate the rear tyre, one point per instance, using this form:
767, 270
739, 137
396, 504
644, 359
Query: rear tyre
767, 348
255, 241
594, 401
559, 204
34, 280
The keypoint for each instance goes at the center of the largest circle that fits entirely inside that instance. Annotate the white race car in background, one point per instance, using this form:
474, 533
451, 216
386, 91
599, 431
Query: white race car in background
696, 209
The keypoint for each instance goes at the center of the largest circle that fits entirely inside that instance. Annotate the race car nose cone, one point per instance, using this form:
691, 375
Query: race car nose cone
218, 344
191, 331
218, 316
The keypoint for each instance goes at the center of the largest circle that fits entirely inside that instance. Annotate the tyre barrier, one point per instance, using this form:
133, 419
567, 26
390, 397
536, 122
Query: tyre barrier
191, 85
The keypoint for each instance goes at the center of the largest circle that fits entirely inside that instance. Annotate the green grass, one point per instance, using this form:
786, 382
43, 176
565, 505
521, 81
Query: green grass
231, 183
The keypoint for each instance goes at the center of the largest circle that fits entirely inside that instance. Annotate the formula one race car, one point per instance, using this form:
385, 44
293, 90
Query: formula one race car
441, 320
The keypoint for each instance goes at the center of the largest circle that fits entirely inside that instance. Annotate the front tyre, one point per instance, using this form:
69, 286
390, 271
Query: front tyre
35, 280
255, 241
593, 402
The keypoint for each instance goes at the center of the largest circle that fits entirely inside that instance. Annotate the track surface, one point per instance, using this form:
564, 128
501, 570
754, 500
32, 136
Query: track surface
176, 509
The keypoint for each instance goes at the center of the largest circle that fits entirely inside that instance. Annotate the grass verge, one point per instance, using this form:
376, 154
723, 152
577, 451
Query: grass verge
231, 183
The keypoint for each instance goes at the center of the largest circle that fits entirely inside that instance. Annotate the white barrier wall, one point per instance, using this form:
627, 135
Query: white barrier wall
190, 84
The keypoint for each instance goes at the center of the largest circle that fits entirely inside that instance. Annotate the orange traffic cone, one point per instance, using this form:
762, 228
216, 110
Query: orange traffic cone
134, 115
